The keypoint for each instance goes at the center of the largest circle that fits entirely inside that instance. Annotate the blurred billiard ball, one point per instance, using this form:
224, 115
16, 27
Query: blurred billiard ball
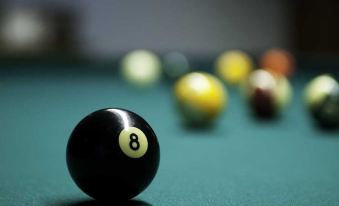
322, 100
200, 98
141, 68
233, 66
278, 61
175, 65
267, 94
113, 154
25, 30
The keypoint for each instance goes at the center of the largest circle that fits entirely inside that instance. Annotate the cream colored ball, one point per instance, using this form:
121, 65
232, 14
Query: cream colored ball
141, 68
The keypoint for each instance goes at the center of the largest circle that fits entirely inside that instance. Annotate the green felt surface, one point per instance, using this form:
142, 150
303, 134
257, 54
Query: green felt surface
240, 161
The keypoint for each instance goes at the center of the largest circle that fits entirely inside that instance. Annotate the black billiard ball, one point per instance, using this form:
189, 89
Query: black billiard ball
113, 154
322, 100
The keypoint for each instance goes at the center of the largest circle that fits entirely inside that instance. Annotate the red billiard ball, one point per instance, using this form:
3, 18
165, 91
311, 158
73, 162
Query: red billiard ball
266, 93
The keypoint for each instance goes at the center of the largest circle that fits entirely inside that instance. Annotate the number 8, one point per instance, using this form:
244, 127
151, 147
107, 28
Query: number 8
134, 143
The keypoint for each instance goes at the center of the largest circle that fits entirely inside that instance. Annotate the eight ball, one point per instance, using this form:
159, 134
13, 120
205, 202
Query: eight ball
113, 154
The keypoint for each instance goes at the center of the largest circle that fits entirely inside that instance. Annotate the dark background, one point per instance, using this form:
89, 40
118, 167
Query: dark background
200, 28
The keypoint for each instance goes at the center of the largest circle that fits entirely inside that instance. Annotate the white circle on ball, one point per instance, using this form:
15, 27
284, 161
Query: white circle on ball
133, 142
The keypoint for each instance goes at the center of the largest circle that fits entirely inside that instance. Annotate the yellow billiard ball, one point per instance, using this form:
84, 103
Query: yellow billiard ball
233, 66
284, 92
200, 97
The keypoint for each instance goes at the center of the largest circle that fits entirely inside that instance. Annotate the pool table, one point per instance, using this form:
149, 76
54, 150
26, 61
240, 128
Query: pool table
240, 160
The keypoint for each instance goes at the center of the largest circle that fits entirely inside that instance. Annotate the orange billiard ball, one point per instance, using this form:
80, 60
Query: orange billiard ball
278, 61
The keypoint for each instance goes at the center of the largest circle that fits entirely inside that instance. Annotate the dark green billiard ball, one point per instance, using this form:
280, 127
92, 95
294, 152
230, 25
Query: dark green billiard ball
322, 100
175, 65
113, 154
